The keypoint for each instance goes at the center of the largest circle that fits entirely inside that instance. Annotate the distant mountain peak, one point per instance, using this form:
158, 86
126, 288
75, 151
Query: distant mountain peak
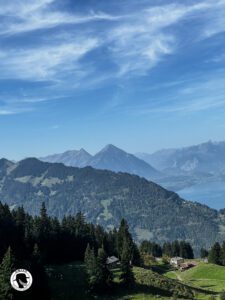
109, 158
82, 150
111, 147
117, 160
73, 158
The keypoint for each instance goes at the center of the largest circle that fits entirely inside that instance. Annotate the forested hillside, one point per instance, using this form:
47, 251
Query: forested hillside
106, 197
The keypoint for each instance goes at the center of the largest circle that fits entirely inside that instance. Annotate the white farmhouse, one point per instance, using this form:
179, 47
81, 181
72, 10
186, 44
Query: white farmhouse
176, 261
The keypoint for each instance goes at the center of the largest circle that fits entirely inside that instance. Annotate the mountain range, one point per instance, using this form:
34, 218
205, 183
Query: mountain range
104, 197
174, 169
204, 158
109, 158
72, 158
189, 166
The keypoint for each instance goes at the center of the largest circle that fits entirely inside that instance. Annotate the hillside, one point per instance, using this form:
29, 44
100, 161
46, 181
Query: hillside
207, 276
106, 197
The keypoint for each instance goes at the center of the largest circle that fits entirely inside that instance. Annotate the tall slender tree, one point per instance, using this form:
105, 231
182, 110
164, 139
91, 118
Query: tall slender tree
91, 267
215, 254
104, 275
127, 276
7, 267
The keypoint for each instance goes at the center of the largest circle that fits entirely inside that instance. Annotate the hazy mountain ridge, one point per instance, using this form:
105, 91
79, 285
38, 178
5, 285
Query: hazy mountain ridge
105, 197
73, 158
189, 166
208, 157
109, 158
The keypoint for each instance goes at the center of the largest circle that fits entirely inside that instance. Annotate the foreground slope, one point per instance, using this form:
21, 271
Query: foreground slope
105, 197
149, 285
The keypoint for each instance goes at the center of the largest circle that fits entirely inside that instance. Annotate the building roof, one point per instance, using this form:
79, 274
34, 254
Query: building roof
111, 260
177, 258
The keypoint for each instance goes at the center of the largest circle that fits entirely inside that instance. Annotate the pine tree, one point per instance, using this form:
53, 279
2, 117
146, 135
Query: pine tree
186, 250
223, 254
127, 276
7, 267
204, 253
91, 267
104, 276
167, 249
122, 235
215, 254
98, 275
175, 248
40, 289
42, 230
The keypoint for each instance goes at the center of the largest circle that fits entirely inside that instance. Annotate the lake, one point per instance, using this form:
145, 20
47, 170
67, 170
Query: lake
210, 193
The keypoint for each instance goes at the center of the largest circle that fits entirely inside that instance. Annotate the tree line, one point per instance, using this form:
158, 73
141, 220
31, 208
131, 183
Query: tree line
176, 248
216, 255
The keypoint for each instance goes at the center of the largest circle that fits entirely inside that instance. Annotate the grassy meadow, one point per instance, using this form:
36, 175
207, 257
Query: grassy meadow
206, 276
68, 282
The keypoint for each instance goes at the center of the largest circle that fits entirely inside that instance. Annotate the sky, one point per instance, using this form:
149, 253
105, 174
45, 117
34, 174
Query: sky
142, 75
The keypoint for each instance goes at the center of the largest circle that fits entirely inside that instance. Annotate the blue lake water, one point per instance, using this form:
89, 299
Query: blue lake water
211, 194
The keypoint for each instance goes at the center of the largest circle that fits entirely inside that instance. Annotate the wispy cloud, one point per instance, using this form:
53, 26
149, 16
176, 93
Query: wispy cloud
146, 37
49, 62
199, 95
130, 44
22, 16
4, 112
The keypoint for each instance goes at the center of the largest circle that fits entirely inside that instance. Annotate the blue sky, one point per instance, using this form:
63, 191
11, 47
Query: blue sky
142, 75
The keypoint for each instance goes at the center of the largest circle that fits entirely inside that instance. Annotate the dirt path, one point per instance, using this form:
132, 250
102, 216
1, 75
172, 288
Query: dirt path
178, 276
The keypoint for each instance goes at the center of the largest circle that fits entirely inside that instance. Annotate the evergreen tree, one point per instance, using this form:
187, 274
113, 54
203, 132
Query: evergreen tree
167, 249
42, 232
223, 254
122, 236
186, 250
136, 259
39, 289
215, 254
91, 267
7, 267
127, 276
204, 253
104, 276
175, 248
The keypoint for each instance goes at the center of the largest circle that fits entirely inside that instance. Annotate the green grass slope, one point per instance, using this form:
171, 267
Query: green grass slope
67, 282
207, 276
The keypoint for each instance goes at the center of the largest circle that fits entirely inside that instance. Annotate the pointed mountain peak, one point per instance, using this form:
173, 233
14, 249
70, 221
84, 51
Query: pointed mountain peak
83, 151
111, 148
